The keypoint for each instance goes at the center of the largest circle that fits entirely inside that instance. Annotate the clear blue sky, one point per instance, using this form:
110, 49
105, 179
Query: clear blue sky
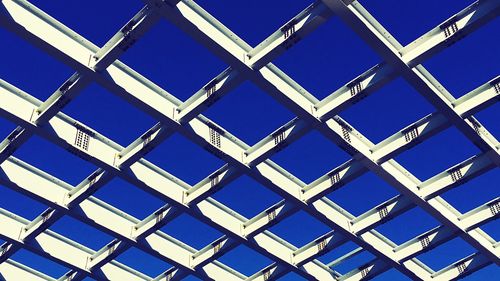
322, 62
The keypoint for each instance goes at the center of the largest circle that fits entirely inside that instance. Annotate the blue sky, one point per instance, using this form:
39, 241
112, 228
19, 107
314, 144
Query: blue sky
322, 62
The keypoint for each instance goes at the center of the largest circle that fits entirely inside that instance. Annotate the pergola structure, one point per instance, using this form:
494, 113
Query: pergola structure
101, 65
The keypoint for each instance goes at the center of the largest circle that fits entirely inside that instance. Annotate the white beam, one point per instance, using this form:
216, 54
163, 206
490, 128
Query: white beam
366, 271
60, 249
99, 151
25, 179
375, 35
12, 271
462, 268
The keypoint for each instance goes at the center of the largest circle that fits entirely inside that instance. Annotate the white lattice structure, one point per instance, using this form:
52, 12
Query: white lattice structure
101, 65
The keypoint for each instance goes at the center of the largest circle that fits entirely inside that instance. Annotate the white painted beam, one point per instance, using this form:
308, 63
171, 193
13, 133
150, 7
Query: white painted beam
462, 268
58, 248
303, 108
141, 173
12, 271
380, 39
25, 179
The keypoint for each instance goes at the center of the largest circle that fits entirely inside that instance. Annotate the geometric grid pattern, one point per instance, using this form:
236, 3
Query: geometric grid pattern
101, 65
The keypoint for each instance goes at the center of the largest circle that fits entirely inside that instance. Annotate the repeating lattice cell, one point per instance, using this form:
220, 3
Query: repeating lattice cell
101, 65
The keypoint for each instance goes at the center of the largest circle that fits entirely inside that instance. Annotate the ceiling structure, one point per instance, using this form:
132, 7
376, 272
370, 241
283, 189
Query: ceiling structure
102, 66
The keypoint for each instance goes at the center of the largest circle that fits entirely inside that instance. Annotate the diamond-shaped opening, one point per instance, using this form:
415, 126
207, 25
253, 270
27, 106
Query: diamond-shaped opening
253, 113
475, 192
469, 63
310, 157
407, 225
129, 199
391, 274
300, 229
109, 115
446, 254
6, 127
39, 263
184, 159
362, 194
143, 262
19, 204
437, 154
245, 260
191, 231
242, 22
492, 228
246, 196
25, 67
81, 233
173, 60
327, 58
387, 111
54, 160
410, 19
91, 19
489, 119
